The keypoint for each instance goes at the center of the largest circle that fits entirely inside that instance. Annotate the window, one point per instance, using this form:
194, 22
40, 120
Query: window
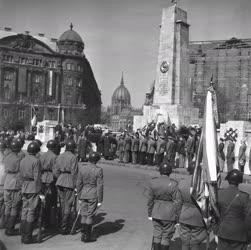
79, 68
5, 113
52, 64
37, 78
8, 58
73, 67
37, 62
69, 81
68, 66
79, 83
21, 114
8, 76
23, 60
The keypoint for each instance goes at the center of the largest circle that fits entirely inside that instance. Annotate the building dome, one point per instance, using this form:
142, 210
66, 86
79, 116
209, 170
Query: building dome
70, 42
121, 95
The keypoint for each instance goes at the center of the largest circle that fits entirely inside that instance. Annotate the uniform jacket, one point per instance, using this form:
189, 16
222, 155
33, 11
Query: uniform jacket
127, 143
143, 145
181, 147
66, 170
30, 172
84, 147
12, 177
190, 214
230, 150
190, 145
106, 146
135, 145
90, 182
48, 161
160, 146
151, 146
242, 153
164, 199
221, 151
232, 224
170, 150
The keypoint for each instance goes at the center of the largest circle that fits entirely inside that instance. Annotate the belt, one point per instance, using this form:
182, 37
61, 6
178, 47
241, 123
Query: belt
46, 170
28, 179
65, 172
12, 172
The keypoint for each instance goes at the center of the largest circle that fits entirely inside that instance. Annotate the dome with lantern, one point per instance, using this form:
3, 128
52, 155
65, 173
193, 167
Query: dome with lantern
70, 42
121, 98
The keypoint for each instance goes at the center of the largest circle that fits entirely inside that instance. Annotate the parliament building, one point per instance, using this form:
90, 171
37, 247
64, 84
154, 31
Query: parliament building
51, 78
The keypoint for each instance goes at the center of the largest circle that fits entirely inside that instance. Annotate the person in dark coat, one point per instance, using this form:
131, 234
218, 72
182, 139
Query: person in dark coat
48, 162
190, 147
135, 148
12, 187
107, 146
143, 149
90, 192
127, 148
164, 204
66, 172
192, 230
230, 155
30, 173
221, 154
181, 150
233, 207
170, 153
83, 147
160, 149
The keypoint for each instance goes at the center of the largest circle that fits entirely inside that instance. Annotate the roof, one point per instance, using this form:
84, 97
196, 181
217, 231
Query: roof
71, 35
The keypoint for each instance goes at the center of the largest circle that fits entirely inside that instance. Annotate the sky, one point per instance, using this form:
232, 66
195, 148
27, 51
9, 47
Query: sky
122, 35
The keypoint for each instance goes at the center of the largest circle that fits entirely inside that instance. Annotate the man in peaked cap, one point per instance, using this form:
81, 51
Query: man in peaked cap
135, 148
160, 149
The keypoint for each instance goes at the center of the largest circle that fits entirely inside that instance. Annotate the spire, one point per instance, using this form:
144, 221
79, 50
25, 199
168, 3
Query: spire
71, 26
122, 79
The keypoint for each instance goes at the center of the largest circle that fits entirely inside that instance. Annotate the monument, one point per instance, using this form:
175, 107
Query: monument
172, 92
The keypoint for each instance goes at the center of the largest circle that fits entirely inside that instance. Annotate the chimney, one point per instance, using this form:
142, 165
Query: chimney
54, 40
7, 28
41, 34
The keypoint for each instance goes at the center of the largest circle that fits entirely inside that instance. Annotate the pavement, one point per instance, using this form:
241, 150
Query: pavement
120, 224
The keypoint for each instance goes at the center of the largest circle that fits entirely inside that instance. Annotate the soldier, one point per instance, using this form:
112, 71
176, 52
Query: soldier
242, 156
164, 203
135, 148
66, 171
7, 142
48, 161
121, 148
2, 177
90, 193
143, 149
151, 147
221, 154
233, 207
21, 154
127, 148
192, 230
181, 150
230, 155
30, 172
12, 187
106, 146
160, 149
190, 146
84, 147
170, 151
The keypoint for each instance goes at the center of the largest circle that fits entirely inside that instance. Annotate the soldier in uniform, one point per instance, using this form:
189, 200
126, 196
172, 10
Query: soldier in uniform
181, 150
2, 177
30, 173
21, 154
164, 203
66, 171
84, 147
242, 156
135, 148
230, 155
151, 147
160, 149
143, 149
233, 207
221, 154
90, 193
48, 161
170, 151
192, 230
127, 148
12, 187
121, 148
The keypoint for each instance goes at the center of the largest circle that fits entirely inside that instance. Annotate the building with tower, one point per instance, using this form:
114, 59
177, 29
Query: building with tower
121, 112
49, 77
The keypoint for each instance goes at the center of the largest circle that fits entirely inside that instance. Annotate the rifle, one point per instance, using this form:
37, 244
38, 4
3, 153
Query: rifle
40, 218
75, 215
73, 229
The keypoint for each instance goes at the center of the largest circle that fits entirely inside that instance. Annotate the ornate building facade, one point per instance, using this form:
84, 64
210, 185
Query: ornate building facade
121, 112
228, 63
49, 77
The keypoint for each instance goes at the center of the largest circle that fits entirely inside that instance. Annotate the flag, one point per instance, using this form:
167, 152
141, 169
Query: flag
34, 121
206, 177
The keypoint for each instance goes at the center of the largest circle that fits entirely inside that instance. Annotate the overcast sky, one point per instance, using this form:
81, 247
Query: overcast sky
122, 35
